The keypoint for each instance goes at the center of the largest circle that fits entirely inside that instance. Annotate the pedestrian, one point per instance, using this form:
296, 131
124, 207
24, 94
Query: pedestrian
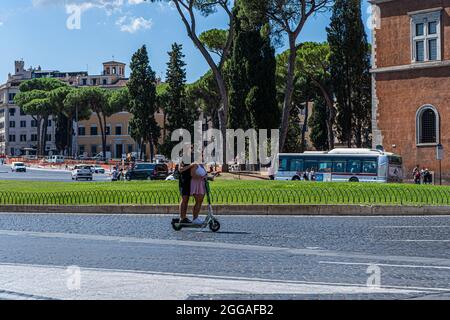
311, 175
416, 174
428, 178
185, 190
271, 172
306, 175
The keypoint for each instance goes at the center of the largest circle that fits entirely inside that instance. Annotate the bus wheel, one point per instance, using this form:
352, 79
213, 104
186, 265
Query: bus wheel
354, 179
296, 178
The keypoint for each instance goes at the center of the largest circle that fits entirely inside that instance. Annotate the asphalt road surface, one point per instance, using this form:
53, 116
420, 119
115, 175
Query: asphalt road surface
141, 257
35, 174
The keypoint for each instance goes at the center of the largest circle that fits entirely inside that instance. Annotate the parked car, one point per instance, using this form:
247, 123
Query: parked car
82, 157
148, 171
100, 157
82, 172
18, 167
99, 170
55, 159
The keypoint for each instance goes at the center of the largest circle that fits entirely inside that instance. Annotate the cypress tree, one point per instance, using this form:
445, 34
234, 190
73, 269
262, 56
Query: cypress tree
318, 124
142, 90
350, 66
251, 76
179, 112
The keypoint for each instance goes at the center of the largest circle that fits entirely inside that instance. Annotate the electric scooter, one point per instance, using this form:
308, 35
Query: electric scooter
210, 221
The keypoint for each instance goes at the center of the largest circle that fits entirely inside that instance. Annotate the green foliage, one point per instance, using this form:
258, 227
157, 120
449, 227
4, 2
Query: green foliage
204, 94
41, 98
318, 125
251, 76
215, 40
142, 93
180, 112
350, 68
311, 83
223, 192
119, 100
96, 100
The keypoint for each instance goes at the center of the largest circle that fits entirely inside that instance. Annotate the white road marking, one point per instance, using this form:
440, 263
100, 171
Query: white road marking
408, 227
385, 265
229, 246
416, 240
99, 284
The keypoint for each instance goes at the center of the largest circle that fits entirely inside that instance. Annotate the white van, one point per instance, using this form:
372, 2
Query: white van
56, 159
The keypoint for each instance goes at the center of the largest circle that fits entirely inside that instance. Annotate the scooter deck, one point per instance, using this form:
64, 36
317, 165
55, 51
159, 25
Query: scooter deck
177, 223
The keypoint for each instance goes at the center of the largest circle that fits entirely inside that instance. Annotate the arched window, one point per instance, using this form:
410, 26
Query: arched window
427, 125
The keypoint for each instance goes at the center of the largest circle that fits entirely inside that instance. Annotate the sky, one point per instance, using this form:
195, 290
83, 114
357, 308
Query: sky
48, 33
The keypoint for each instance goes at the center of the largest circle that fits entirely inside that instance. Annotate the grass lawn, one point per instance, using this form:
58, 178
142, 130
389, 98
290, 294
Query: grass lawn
223, 192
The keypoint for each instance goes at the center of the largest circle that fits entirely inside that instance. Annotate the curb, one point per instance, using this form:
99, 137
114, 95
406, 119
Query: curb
230, 210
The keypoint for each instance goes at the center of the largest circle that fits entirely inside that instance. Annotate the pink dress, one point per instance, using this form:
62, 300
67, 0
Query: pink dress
198, 185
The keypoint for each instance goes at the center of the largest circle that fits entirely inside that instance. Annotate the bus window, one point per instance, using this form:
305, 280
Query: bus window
311, 165
283, 165
354, 166
339, 166
296, 165
370, 166
325, 166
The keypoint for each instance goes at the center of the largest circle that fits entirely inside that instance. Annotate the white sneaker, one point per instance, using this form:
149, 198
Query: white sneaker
198, 221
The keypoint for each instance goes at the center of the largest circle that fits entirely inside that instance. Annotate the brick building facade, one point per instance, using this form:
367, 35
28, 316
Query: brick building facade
411, 81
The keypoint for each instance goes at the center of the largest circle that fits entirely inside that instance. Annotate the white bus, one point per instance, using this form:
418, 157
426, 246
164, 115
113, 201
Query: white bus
340, 165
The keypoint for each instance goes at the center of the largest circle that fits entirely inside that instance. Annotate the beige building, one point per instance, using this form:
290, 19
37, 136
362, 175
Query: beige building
18, 131
118, 141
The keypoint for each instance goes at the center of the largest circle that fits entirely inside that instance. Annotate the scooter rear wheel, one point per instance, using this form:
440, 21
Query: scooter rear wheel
214, 226
176, 227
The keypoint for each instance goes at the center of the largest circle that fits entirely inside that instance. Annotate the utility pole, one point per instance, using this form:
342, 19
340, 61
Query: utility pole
440, 157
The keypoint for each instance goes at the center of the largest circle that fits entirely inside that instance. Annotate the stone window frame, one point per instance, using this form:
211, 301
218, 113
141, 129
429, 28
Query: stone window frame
419, 115
426, 17
118, 125
96, 128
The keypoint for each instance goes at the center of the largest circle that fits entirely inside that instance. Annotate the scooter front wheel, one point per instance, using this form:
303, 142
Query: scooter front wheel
214, 226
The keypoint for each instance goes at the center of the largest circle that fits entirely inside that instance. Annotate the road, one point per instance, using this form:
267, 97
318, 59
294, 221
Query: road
36, 174
140, 257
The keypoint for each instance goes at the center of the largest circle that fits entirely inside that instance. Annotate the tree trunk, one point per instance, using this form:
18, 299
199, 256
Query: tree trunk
223, 112
104, 139
103, 132
331, 114
304, 127
141, 147
44, 135
349, 104
358, 134
38, 134
165, 127
152, 148
69, 135
287, 104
